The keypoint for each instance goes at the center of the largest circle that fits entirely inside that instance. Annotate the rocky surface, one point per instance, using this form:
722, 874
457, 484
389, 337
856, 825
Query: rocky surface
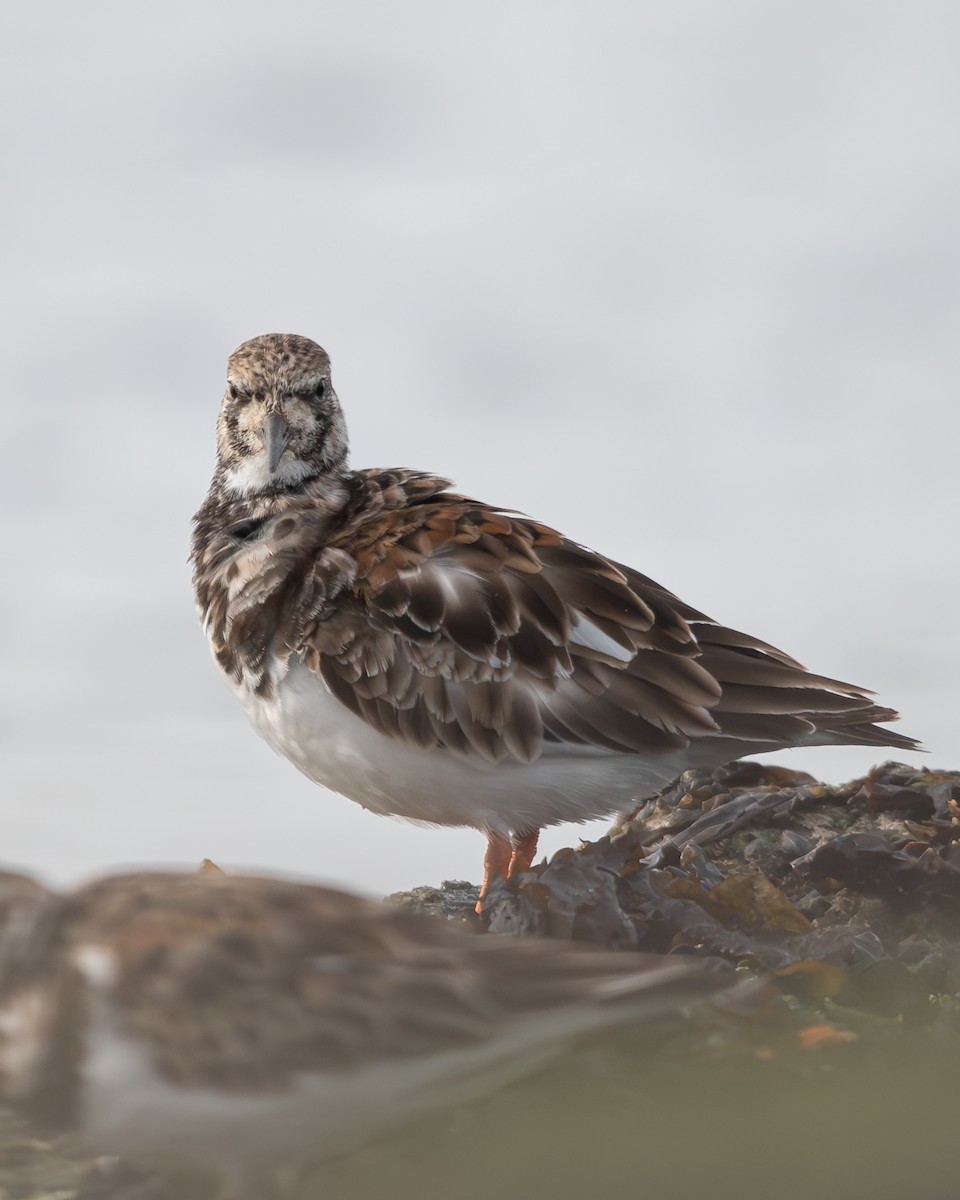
848, 894
845, 900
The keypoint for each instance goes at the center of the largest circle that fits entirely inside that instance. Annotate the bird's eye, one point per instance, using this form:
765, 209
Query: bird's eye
239, 397
316, 394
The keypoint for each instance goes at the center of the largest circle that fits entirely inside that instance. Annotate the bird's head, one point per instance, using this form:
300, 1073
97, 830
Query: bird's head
280, 421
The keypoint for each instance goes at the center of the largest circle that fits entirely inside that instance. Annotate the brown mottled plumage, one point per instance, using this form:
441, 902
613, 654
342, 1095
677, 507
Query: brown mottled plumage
435, 658
234, 1026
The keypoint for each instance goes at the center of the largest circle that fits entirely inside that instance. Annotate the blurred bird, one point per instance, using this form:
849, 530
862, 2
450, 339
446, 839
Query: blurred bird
241, 1028
439, 659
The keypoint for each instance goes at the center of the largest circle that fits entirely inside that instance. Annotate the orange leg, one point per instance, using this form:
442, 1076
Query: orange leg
523, 851
506, 857
496, 861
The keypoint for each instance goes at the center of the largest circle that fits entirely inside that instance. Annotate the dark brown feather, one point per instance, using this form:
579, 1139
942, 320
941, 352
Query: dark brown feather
444, 623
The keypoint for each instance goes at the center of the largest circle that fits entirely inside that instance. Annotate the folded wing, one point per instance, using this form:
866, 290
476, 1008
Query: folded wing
492, 636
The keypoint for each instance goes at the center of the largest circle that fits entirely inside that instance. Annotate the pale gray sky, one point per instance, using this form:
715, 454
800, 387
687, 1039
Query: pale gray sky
679, 278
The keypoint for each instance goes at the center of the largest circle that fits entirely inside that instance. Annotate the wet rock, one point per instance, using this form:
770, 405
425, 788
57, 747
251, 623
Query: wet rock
454, 899
767, 868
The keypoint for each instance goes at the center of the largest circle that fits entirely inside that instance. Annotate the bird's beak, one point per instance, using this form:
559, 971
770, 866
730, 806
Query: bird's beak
276, 435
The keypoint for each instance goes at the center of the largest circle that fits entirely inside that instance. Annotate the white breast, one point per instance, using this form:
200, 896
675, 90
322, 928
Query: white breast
305, 723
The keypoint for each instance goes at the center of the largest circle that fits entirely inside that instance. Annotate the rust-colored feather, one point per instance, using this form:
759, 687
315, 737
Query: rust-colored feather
445, 623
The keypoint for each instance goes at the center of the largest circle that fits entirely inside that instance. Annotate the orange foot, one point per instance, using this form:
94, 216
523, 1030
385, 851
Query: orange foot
506, 857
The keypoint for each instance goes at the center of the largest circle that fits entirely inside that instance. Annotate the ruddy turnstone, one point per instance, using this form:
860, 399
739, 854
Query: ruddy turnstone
240, 1028
443, 660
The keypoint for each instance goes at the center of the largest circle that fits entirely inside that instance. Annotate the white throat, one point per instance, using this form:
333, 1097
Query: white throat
254, 475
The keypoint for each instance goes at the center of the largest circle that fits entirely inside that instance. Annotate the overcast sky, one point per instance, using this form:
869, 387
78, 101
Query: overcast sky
679, 278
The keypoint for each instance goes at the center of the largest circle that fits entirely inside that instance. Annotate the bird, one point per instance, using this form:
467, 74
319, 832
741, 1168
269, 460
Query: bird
447, 661
242, 1029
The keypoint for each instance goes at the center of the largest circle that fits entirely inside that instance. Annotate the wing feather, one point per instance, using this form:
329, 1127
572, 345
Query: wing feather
491, 636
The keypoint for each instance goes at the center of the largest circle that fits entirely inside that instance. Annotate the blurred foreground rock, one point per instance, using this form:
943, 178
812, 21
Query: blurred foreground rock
847, 898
